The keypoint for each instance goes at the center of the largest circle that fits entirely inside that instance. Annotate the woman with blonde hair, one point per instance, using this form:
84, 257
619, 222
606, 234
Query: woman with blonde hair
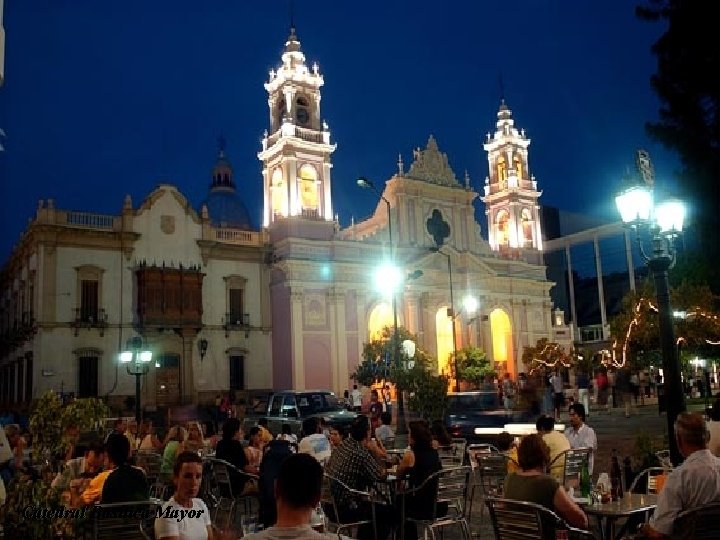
194, 441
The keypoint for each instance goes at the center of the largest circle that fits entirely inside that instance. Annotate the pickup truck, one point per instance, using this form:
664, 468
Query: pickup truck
292, 407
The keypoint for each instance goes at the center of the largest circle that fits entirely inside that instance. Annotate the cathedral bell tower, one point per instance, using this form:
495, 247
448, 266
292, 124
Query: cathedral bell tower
511, 194
296, 152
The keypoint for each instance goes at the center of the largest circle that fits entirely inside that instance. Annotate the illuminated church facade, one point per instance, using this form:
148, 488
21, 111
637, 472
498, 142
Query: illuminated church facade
223, 305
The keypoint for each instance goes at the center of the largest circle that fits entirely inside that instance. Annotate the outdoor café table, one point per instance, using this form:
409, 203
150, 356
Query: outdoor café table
608, 513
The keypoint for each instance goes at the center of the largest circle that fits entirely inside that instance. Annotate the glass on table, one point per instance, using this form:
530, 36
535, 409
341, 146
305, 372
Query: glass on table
249, 524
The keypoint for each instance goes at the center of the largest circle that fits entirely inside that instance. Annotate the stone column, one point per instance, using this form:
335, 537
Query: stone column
338, 341
296, 326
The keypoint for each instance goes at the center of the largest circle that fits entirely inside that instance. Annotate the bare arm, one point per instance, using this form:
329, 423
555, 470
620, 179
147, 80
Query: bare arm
407, 463
569, 510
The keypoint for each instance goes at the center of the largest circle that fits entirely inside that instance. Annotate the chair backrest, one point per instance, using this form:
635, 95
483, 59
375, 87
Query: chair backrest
650, 475
151, 463
701, 523
575, 458
453, 455
492, 470
452, 485
519, 520
120, 521
339, 494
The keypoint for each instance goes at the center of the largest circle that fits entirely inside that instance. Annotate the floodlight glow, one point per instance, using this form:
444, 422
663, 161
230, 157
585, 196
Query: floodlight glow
470, 305
126, 356
387, 278
145, 356
409, 348
669, 216
634, 204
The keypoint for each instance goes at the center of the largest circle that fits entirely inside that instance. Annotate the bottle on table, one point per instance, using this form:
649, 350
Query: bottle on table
615, 477
585, 483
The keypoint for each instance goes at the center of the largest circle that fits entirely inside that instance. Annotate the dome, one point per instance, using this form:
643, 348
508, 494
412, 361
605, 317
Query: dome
227, 210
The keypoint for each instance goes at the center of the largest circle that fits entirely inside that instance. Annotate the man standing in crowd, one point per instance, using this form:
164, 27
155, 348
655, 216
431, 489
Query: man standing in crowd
693, 484
579, 434
356, 399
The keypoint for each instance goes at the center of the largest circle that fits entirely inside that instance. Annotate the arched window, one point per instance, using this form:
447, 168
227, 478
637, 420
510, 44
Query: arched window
501, 167
280, 111
308, 188
302, 111
526, 222
502, 232
517, 162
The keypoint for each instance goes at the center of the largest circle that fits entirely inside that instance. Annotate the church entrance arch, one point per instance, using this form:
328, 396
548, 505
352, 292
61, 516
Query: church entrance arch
502, 345
443, 330
380, 317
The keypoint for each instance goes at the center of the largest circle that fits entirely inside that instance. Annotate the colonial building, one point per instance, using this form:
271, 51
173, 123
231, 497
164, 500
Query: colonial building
224, 305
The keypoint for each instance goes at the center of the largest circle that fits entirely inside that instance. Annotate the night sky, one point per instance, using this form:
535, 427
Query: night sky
102, 98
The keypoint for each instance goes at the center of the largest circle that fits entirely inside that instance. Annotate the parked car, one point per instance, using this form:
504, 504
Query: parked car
476, 416
292, 407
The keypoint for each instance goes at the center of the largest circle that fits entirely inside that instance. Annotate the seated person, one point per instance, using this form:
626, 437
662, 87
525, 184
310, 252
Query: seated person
384, 432
337, 436
265, 435
230, 449
693, 484
419, 463
506, 445
90, 492
713, 426
194, 441
255, 446
87, 466
557, 443
187, 477
286, 434
173, 447
125, 483
297, 494
357, 463
531, 484
148, 439
313, 441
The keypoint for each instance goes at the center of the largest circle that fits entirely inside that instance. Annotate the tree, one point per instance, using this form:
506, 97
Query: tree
546, 356
417, 376
473, 365
687, 56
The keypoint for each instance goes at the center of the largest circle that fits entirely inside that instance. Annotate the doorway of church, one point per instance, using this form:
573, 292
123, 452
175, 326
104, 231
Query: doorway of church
167, 380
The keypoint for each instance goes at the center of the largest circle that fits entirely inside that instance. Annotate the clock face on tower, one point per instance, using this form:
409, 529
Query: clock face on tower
302, 117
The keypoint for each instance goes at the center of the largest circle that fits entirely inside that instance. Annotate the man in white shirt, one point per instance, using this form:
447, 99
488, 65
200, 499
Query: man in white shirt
314, 442
693, 484
356, 399
579, 434
559, 390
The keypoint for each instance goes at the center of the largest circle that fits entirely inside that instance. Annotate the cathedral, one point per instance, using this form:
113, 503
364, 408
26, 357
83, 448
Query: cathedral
222, 305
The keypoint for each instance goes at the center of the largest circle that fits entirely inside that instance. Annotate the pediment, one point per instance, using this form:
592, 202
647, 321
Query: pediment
165, 190
462, 263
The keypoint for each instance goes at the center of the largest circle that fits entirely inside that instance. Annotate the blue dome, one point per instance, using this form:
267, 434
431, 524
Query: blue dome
227, 210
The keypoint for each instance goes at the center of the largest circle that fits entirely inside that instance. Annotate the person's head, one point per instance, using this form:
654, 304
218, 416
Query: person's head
12, 432
337, 434
420, 436
253, 436
310, 426
177, 433
354, 386
187, 475
505, 441
231, 428
577, 414
533, 453
545, 424
120, 425
386, 418
263, 422
117, 448
299, 484
360, 430
94, 456
146, 428
285, 429
194, 431
691, 433
440, 434
374, 395
209, 429
346, 394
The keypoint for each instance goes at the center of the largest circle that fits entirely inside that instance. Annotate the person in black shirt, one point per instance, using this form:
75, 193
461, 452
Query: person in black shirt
230, 449
126, 483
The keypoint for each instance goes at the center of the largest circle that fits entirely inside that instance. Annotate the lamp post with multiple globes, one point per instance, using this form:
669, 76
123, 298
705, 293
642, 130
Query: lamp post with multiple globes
137, 362
664, 223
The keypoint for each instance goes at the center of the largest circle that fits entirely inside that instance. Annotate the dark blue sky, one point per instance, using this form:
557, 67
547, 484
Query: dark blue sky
107, 98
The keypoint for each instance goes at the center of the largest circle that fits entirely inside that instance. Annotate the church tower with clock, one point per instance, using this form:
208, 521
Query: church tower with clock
296, 151
511, 194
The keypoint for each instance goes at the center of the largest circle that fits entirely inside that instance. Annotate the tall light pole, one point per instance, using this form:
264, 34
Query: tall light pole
401, 424
664, 222
137, 361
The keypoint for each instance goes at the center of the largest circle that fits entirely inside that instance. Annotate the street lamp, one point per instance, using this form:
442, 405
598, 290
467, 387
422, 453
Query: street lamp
137, 362
367, 184
664, 222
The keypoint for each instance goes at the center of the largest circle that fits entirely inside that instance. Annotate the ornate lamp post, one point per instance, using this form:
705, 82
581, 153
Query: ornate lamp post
664, 223
137, 362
